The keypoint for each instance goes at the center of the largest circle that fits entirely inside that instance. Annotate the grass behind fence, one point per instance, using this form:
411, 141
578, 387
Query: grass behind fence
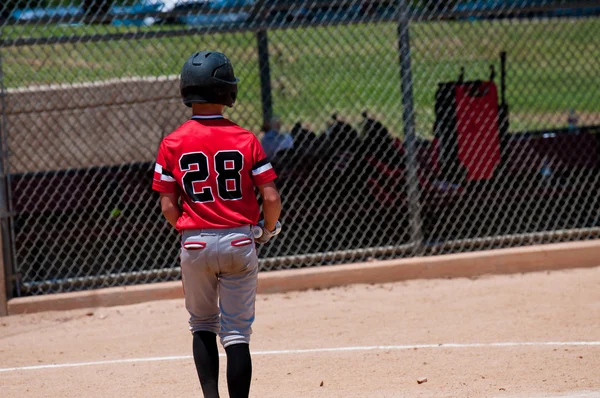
552, 67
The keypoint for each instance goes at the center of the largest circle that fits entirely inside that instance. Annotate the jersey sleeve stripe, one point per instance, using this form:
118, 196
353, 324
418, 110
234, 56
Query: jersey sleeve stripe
261, 169
164, 174
260, 163
166, 178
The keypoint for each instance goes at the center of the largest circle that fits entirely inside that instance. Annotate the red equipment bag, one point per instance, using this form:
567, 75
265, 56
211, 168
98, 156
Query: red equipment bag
467, 130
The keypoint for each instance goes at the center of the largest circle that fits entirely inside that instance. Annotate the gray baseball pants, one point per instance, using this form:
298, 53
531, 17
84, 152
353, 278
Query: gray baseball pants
219, 269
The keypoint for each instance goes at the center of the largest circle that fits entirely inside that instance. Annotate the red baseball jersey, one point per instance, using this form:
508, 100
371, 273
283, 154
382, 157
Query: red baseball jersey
214, 164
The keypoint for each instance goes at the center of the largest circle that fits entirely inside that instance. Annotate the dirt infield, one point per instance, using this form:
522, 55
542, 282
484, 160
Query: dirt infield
526, 335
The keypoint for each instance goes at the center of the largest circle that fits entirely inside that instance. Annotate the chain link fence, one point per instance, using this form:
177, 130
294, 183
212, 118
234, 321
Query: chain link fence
406, 128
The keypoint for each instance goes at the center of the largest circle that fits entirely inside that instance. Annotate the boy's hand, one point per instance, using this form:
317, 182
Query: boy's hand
262, 235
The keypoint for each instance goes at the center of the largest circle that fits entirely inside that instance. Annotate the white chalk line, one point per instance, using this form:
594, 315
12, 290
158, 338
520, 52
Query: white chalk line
313, 350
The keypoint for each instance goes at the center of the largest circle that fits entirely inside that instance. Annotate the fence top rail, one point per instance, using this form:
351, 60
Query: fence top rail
256, 22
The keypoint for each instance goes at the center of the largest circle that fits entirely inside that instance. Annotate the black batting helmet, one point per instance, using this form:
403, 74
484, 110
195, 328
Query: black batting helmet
207, 77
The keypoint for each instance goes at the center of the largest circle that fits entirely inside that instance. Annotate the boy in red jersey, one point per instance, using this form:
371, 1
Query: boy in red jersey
212, 166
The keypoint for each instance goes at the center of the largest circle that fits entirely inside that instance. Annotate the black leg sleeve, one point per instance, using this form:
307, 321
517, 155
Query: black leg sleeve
239, 370
206, 358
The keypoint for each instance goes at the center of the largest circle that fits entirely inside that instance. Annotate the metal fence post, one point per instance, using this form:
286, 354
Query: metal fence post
265, 75
5, 233
3, 295
408, 117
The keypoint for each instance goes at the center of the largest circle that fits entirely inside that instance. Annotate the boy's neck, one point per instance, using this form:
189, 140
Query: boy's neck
207, 109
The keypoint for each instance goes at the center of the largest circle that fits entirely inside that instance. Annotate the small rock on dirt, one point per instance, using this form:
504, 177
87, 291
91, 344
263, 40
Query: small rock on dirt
321, 385
422, 380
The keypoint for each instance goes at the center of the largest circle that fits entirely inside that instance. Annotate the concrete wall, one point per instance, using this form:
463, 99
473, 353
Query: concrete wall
91, 124
100, 123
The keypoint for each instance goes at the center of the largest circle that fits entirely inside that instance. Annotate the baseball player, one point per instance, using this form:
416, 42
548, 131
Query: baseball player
206, 172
